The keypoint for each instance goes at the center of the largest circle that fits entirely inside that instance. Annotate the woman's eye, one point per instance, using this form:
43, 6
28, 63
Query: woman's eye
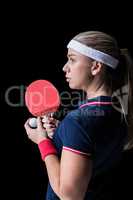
71, 59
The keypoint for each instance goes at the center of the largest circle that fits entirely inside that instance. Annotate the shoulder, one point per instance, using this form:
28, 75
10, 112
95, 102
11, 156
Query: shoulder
86, 114
73, 133
82, 118
73, 120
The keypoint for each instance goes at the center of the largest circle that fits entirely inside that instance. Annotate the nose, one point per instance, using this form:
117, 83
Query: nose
65, 68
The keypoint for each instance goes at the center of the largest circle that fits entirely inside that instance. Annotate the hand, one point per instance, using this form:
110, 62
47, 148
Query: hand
38, 134
50, 124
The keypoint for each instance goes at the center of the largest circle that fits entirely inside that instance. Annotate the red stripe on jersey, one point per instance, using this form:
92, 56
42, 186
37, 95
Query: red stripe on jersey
96, 103
76, 151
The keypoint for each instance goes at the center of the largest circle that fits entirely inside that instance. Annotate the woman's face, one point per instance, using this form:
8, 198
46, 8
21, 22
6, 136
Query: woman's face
77, 70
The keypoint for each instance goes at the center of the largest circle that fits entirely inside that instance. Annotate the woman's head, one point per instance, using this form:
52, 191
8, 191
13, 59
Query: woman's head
94, 70
85, 72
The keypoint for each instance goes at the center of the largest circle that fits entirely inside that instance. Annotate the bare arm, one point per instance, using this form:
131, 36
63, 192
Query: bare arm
69, 178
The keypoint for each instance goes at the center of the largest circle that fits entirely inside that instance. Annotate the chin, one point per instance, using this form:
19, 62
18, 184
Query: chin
75, 87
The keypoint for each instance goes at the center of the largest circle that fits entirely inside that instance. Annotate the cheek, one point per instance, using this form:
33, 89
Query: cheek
79, 78
78, 70
83, 73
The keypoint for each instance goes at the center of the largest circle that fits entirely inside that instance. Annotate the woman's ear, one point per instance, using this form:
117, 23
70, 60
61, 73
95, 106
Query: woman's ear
96, 67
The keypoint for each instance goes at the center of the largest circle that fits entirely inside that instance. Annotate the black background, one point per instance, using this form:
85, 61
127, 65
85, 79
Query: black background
34, 47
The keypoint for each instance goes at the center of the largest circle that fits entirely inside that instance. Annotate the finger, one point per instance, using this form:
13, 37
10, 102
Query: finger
51, 137
45, 119
54, 123
39, 123
26, 125
51, 131
44, 126
50, 114
50, 121
28, 128
49, 126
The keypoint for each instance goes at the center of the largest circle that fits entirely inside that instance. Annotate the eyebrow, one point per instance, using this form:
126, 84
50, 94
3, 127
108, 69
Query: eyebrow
71, 54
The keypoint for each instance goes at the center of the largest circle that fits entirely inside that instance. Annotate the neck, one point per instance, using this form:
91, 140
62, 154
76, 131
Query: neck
93, 92
93, 95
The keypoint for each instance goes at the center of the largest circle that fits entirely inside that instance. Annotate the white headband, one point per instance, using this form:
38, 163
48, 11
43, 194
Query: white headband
93, 53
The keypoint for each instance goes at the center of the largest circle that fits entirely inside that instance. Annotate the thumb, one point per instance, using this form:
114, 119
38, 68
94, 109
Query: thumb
39, 123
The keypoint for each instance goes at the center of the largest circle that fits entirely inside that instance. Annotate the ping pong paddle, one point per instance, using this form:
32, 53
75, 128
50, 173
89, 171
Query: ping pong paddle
41, 98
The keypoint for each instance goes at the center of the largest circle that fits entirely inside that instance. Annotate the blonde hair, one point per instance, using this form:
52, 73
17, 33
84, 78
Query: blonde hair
114, 79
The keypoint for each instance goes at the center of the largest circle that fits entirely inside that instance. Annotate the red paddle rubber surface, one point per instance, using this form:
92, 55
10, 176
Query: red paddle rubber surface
41, 97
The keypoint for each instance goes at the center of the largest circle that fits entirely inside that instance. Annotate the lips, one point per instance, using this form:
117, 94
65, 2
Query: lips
68, 79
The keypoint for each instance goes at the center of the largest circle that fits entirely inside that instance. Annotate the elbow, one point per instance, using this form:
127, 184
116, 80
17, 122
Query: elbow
69, 192
65, 192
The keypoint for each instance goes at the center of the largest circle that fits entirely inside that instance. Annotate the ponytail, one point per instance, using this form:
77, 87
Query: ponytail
129, 82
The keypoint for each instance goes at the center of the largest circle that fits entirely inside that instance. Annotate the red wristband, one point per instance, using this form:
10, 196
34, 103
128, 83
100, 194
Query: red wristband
46, 148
